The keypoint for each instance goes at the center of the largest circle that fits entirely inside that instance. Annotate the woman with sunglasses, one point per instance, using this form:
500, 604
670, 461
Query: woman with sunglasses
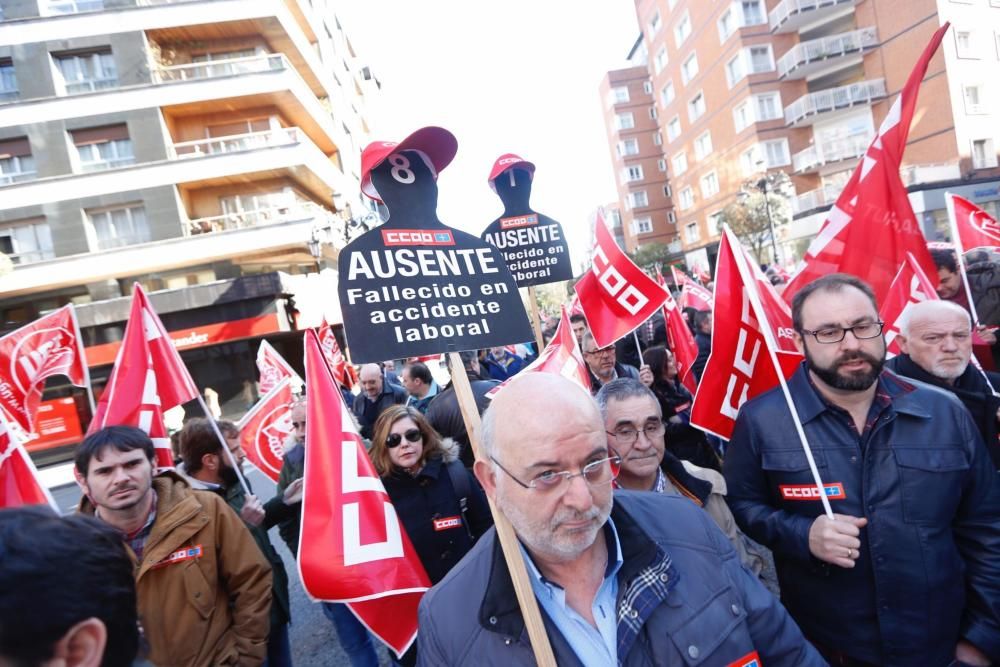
437, 499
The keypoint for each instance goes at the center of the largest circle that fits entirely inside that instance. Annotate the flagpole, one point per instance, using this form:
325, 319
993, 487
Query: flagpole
960, 252
83, 360
225, 445
505, 532
771, 346
638, 348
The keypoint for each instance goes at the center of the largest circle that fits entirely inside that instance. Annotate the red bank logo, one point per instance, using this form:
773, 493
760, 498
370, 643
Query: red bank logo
187, 553
417, 237
519, 221
834, 491
447, 522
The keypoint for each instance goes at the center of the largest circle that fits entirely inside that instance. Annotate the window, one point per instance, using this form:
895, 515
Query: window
714, 223
727, 24
742, 116
691, 234
753, 12
632, 173
618, 95
642, 226
87, 72
661, 165
735, 69
689, 69
655, 24
671, 218
974, 99
680, 162
983, 154
657, 139
8, 81
683, 29
26, 241
768, 106
667, 93
652, 113
749, 160
624, 121
709, 184
647, 87
760, 58
661, 59
628, 147
703, 146
668, 191
16, 161
119, 226
776, 153
638, 199
686, 199
696, 107
103, 147
673, 128
965, 43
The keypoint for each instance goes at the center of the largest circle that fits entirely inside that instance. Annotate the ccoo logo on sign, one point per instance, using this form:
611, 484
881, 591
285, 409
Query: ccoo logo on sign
394, 237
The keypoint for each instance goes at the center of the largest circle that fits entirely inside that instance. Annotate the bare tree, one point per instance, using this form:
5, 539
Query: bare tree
755, 216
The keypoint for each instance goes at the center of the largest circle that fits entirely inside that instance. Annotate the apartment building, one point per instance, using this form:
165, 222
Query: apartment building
748, 87
636, 144
196, 147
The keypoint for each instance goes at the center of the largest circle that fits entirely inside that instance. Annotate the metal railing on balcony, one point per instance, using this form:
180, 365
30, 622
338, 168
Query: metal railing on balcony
831, 150
218, 68
258, 218
912, 174
235, 143
73, 6
787, 9
817, 198
17, 177
825, 48
104, 165
90, 85
834, 99
8, 95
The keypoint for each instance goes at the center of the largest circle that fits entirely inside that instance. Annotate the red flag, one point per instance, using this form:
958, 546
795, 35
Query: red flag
272, 367
29, 355
148, 378
334, 358
265, 428
911, 285
693, 294
19, 483
973, 227
872, 226
616, 295
739, 364
352, 547
679, 339
574, 306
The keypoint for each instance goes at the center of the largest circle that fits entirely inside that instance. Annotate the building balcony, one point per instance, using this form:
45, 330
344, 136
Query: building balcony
790, 15
59, 7
818, 105
830, 152
826, 53
285, 153
17, 177
260, 217
818, 198
914, 174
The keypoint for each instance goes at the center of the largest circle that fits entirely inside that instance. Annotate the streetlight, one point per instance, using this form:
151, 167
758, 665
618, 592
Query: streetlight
315, 246
762, 187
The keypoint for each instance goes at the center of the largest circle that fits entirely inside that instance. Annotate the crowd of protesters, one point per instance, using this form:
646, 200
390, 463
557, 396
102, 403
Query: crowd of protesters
647, 541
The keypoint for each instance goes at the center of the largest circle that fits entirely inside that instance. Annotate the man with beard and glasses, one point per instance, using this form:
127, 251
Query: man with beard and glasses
203, 586
936, 340
634, 579
907, 572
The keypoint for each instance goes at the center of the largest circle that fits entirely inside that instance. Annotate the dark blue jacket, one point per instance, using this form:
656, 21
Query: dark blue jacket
683, 599
367, 410
929, 566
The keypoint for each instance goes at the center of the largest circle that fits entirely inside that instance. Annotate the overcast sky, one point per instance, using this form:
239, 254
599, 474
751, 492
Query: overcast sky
519, 76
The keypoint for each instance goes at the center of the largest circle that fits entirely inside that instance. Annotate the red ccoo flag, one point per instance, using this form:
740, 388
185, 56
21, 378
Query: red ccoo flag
872, 227
692, 294
911, 285
50, 345
265, 428
616, 295
739, 361
272, 367
973, 227
19, 483
334, 357
679, 339
352, 547
148, 377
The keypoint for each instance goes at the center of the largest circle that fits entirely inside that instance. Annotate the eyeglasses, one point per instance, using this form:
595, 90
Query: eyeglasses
299, 425
595, 473
412, 435
603, 350
861, 331
627, 435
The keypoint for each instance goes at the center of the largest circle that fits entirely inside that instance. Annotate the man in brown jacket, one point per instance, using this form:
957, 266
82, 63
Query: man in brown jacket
204, 588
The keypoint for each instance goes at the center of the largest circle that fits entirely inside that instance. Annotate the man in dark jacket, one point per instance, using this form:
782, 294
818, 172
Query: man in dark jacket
936, 340
650, 582
908, 571
603, 366
376, 395
444, 414
703, 337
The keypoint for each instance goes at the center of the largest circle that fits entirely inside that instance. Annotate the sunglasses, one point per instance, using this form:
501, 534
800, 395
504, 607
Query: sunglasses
413, 435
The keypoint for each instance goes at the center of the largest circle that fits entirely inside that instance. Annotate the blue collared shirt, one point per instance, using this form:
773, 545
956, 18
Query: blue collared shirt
595, 647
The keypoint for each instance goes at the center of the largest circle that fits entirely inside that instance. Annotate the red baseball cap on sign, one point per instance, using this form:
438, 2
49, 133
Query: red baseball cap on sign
436, 144
509, 161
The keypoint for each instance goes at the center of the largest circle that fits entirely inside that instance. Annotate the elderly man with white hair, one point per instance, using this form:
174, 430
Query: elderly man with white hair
936, 340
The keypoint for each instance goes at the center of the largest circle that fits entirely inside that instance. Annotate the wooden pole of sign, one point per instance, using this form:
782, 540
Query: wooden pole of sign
505, 532
536, 320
